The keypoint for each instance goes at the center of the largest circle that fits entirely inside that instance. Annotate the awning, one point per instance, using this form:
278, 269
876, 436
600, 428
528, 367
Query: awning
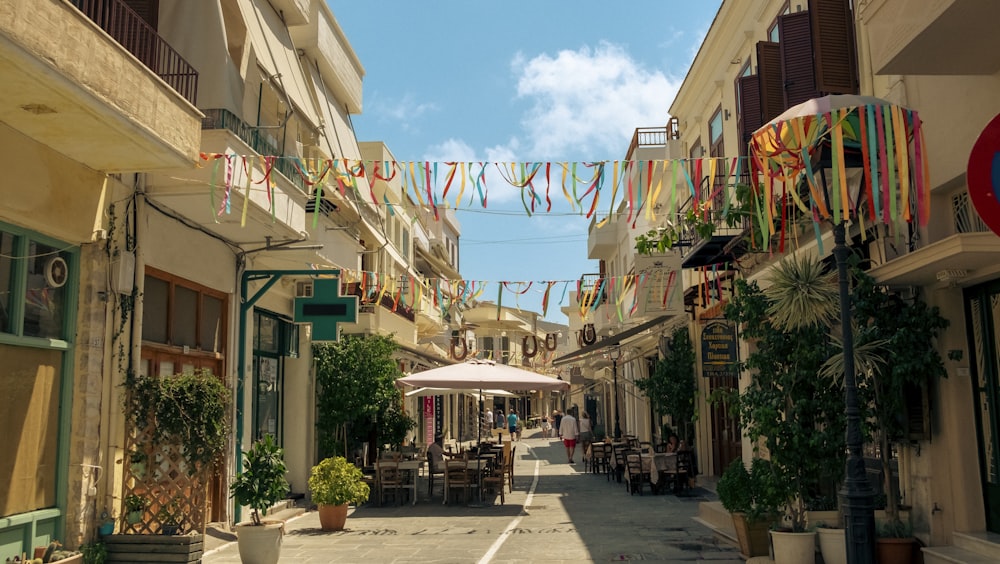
272, 45
607, 342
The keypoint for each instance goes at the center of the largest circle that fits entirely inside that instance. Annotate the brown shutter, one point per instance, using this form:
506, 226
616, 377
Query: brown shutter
797, 58
750, 116
918, 419
833, 46
148, 10
772, 91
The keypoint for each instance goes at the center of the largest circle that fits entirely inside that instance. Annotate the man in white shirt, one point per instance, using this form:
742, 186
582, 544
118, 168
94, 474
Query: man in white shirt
569, 431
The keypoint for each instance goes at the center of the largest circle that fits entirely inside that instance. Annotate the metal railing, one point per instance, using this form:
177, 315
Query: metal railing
369, 296
139, 38
220, 118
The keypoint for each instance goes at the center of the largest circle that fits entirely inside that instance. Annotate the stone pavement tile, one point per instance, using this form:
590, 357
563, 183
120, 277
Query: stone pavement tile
571, 516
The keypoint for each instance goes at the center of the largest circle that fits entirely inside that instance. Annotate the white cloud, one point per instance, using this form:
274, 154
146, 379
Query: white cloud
403, 112
587, 103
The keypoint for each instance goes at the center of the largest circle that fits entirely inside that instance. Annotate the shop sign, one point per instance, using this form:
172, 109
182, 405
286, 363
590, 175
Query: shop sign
718, 350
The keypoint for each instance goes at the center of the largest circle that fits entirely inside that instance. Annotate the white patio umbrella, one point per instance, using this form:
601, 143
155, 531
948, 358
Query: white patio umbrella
424, 392
482, 375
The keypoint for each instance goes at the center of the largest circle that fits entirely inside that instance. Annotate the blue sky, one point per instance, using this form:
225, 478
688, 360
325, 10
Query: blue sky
519, 81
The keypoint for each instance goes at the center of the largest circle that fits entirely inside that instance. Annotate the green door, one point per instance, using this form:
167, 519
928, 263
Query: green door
983, 313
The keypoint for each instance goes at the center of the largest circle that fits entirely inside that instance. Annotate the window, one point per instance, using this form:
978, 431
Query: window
274, 337
717, 150
37, 295
774, 31
181, 313
39, 307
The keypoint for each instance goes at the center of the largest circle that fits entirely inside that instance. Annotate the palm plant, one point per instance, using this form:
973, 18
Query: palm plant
893, 351
790, 409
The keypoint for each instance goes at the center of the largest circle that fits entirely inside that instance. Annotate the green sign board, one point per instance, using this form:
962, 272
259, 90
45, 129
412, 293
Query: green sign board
325, 309
718, 350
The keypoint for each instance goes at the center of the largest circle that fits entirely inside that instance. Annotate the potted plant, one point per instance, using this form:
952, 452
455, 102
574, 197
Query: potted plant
334, 483
134, 506
170, 517
259, 486
790, 408
898, 339
752, 499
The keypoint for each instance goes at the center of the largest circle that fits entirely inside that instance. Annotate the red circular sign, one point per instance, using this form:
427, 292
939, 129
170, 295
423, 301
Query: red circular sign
983, 175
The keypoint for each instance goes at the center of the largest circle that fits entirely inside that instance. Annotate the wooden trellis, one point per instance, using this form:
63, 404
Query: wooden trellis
162, 479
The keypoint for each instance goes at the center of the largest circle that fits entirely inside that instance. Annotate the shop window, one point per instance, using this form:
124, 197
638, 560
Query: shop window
33, 286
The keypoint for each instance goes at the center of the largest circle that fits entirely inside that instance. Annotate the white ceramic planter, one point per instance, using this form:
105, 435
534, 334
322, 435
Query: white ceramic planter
832, 545
260, 545
794, 548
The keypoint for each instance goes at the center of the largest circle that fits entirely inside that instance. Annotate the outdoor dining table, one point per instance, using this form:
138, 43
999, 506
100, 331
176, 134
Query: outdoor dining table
411, 469
657, 466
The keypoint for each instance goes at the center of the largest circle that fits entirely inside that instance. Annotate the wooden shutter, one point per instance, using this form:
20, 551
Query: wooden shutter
918, 418
750, 116
772, 90
148, 10
797, 58
834, 50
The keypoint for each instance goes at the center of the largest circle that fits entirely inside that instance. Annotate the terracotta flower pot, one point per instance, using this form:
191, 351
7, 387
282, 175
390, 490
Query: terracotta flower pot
332, 517
894, 551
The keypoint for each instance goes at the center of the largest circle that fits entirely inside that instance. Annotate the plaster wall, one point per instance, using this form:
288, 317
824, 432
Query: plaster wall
48, 192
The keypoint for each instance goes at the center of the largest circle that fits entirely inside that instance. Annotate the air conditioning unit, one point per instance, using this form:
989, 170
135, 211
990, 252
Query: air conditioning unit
367, 308
304, 289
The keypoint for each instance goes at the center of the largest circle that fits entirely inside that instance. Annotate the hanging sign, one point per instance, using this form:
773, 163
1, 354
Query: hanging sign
718, 350
325, 309
658, 284
983, 175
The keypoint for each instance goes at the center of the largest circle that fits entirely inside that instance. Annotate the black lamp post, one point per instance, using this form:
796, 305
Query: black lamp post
615, 354
858, 497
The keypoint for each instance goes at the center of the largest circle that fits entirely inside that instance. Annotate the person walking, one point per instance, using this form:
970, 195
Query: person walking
556, 419
512, 424
586, 433
501, 424
569, 431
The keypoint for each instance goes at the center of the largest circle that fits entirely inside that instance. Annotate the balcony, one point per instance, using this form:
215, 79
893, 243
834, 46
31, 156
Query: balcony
725, 244
72, 86
377, 316
138, 38
601, 242
218, 118
645, 137
949, 37
324, 42
966, 254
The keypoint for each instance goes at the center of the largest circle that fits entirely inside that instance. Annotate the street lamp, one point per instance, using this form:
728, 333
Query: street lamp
615, 354
859, 499
841, 132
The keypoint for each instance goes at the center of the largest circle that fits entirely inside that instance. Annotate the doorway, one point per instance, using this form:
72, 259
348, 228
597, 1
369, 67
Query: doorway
727, 442
982, 310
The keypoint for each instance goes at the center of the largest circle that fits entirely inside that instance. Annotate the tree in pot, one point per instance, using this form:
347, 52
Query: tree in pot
261, 484
334, 483
356, 394
671, 387
752, 498
789, 408
895, 356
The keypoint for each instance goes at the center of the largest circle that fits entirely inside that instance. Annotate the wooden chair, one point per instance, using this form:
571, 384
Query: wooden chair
508, 466
619, 462
432, 471
390, 480
494, 480
458, 476
598, 458
636, 477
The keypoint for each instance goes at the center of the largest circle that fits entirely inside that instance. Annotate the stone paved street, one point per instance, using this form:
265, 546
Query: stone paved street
556, 513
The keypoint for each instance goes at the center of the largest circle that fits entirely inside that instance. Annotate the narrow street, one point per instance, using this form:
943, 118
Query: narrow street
556, 513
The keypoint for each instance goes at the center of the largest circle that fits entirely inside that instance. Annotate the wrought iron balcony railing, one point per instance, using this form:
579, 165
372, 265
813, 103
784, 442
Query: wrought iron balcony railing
219, 118
137, 37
